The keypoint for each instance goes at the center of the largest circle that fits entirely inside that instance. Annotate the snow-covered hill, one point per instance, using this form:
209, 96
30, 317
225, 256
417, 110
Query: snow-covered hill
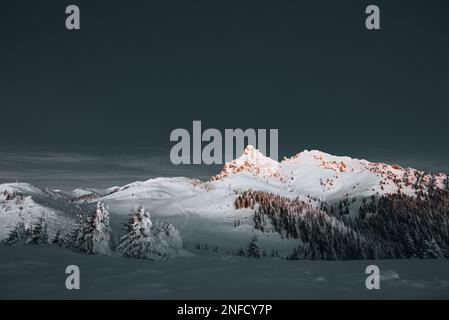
22, 201
328, 177
205, 211
309, 174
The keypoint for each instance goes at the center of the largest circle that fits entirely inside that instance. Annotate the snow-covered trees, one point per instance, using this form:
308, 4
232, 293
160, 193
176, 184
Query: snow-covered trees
137, 235
409, 247
39, 233
397, 226
253, 250
32, 234
62, 239
429, 249
93, 235
20, 234
143, 239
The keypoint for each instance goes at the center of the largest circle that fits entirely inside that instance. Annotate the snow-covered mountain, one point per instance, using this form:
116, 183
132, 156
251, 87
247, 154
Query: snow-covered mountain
328, 177
209, 215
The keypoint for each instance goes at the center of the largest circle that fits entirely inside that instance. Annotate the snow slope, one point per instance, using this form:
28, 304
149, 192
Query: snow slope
213, 231
204, 211
37, 272
23, 201
327, 177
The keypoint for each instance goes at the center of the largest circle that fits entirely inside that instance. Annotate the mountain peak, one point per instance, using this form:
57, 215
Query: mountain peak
252, 153
251, 150
251, 161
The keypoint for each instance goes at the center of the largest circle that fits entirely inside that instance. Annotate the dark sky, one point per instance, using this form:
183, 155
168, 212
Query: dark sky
139, 69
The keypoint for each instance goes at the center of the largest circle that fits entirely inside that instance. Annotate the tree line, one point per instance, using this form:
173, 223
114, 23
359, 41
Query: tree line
141, 238
387, 227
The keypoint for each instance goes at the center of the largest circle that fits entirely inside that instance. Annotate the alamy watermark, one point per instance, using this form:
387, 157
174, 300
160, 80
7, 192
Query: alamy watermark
72, 282
373, 280
72, 22
207, 147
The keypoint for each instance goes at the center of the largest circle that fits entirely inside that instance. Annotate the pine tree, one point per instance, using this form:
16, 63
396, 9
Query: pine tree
20, 234
424, 249
38, 231
56, 238
93, 235
410, 249
60, 239
253, 250
434, 251
143, 239
135, 242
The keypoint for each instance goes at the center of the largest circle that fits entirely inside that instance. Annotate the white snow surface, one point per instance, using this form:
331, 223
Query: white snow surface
204, 211
204, 214
37, 272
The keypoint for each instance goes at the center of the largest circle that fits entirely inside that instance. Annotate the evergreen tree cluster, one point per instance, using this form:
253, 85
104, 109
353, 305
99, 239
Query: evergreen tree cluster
34, 234
400, 226
408, 227
368, 207
342, 208
143, 239
93, 233
252, 250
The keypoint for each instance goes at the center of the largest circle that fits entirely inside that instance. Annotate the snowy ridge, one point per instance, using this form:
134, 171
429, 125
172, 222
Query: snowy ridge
205, 212
21, 201
329, 177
